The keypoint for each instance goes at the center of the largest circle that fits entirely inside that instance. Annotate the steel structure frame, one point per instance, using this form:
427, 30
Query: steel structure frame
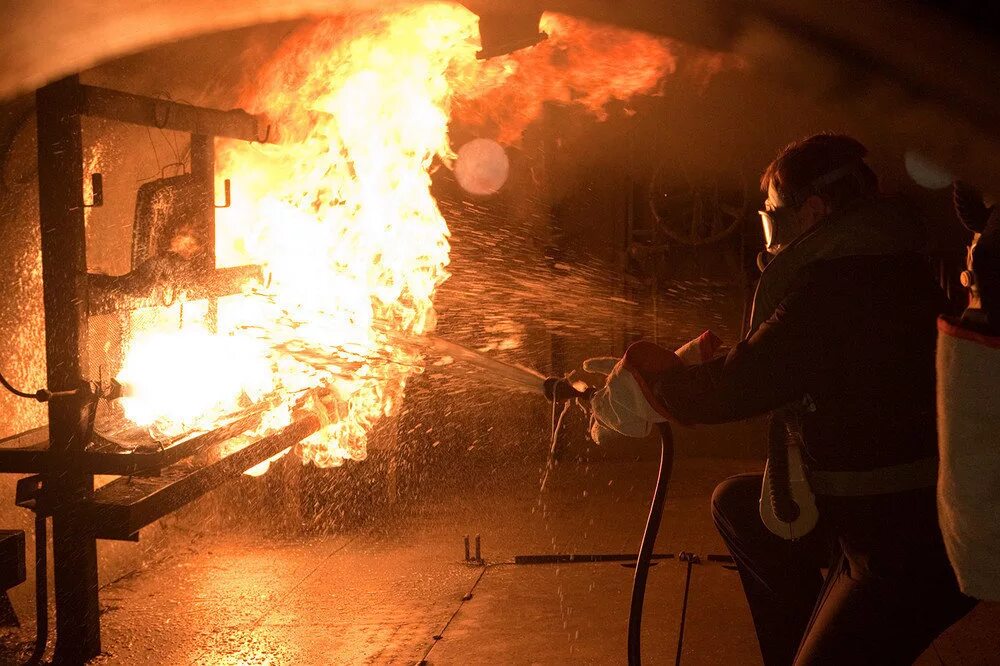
62, 455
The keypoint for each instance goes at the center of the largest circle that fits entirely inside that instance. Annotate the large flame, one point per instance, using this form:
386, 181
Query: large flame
340, 214
580, 63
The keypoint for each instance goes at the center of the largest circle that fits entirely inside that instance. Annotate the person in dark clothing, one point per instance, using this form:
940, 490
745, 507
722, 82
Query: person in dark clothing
843, 330
968, 364
984, 222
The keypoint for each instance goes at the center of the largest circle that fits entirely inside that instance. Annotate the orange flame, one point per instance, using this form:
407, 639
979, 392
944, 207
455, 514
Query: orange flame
341, 216
581, 63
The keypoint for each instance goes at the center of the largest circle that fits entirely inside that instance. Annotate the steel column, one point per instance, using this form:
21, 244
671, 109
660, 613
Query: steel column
203, 171
64, 274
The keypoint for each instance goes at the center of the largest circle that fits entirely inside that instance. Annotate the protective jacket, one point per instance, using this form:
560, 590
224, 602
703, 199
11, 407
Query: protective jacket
849, 322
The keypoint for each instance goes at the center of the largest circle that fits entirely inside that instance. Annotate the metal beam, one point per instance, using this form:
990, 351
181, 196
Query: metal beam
28, 453
165, 114
121, 508
64, 280
141, 289
203, 173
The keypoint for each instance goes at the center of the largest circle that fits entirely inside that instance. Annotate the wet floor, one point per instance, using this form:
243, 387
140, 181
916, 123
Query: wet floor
406, 595
400, 592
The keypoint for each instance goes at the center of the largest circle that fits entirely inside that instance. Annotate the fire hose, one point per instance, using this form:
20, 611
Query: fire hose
559, 389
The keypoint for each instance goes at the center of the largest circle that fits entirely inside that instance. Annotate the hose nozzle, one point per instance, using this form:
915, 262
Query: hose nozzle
561, 389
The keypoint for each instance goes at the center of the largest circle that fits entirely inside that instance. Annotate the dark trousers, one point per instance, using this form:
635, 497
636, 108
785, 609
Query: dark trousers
890, 590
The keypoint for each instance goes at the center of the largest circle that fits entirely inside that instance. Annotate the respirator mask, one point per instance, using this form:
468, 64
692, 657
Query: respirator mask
781, 225
780, 228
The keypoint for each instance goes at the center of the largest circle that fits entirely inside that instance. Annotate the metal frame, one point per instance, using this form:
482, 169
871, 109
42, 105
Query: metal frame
165, 114
60, 454
121, 508
30, 452
64, 271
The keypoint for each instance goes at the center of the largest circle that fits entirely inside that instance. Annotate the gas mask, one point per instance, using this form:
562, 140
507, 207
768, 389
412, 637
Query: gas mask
780, 228
781, 224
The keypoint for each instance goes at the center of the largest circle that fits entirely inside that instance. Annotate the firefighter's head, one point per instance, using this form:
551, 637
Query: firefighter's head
808, 181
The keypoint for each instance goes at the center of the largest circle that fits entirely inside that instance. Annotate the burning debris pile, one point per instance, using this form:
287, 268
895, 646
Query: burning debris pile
340, 215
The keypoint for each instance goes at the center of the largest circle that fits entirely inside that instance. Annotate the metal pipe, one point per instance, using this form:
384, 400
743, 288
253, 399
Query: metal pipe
159, 281
580, 558
166, 114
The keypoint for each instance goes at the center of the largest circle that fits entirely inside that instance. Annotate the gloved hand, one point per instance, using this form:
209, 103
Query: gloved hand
602, 371
626, 404
595, 373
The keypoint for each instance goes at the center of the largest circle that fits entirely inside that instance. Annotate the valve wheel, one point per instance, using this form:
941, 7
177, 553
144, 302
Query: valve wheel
695, 214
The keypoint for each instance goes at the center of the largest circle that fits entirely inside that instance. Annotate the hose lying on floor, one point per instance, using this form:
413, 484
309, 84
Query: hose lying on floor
646, 549
559, 389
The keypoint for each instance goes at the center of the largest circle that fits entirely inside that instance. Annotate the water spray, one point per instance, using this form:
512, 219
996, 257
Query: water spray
523, 378
561, 392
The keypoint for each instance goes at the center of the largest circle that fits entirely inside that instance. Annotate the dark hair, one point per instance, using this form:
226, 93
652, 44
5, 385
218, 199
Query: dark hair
796, 168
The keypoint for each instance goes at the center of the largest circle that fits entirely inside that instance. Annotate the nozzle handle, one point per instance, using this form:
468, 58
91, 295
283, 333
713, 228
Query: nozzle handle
561, 389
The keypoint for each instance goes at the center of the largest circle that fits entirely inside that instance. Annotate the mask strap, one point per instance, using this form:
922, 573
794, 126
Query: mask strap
830, 177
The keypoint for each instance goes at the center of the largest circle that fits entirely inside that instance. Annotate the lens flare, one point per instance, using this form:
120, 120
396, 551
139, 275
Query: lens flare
481, 167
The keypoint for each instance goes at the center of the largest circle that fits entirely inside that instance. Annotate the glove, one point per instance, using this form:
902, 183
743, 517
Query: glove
595, 373
969, 206
626, 403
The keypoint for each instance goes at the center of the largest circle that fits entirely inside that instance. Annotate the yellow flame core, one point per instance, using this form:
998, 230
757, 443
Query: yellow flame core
340, 214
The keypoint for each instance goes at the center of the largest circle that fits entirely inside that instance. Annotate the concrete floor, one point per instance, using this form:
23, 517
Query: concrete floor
381, 597
399, 592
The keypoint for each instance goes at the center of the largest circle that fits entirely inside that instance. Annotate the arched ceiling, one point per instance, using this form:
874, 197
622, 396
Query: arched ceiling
929, 74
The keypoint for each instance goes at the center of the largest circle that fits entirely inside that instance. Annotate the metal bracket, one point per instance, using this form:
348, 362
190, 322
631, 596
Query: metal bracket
28, 492
228, 191
478, 558
689, 557
31, 494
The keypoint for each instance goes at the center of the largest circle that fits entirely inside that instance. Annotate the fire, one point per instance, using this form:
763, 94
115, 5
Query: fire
581, 63
230, 374
340, 215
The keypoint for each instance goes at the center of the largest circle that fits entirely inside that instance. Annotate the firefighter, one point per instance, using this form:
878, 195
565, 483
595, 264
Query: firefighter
843, 338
